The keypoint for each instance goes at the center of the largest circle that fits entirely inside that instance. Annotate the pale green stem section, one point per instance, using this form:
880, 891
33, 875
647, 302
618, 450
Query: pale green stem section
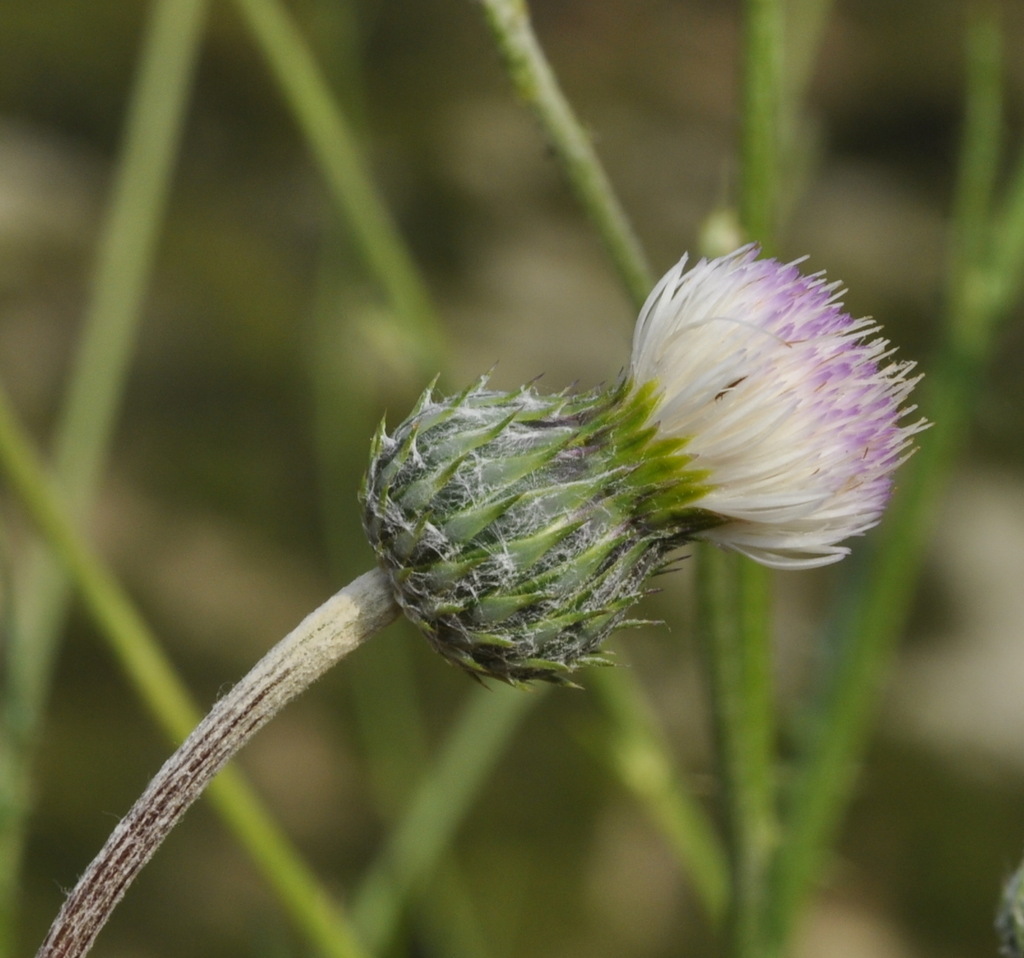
140, 656
977, 251
536, 85
120, 277
335, 149
634, 748
740, 686
878, 616
470, 753
761, 114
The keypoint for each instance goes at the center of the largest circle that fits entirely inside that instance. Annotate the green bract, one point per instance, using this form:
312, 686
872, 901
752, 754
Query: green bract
518, 529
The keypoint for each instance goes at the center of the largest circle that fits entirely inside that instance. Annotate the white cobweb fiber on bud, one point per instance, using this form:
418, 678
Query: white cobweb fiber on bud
791, 406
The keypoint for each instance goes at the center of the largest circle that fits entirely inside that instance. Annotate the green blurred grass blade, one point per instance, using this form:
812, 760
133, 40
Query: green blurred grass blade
878, 613
738, 668
980, 151
762, 92
120, 277
636, 752
442, 799
1006, 281
335, 149
151, 674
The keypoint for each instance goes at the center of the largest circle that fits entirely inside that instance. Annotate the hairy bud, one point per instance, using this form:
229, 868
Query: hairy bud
518, 529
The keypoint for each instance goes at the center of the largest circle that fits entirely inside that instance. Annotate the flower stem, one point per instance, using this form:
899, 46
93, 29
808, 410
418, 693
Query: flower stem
762, 93
141, 658
326, 635
739, 676
536, 85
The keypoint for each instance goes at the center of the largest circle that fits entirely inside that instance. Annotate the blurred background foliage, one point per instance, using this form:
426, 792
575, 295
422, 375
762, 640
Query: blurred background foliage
266, 357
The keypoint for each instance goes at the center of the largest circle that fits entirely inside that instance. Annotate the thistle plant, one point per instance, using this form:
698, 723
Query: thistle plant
518, 530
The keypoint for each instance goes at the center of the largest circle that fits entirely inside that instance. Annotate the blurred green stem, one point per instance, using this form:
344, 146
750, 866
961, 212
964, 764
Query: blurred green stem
634, 748
153, 677
470, 753
739, 677
879, 612
536, 85
120, 277
762, 91
335, 149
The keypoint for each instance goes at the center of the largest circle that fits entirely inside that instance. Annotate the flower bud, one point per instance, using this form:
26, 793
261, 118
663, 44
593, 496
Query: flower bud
518, 529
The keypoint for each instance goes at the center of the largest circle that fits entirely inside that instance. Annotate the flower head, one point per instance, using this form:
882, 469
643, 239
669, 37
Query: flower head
791, 408
518, 529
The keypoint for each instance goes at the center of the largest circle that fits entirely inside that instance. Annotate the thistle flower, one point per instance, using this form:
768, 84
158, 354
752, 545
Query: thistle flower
518, 529
788, 404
